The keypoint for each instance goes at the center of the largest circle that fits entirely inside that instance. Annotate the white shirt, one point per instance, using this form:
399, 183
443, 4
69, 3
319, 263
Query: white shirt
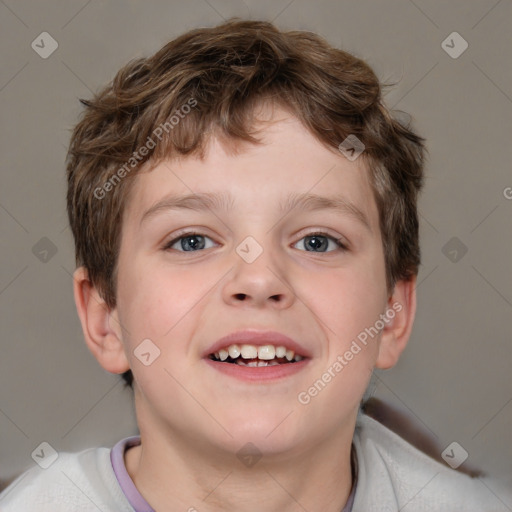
392, 476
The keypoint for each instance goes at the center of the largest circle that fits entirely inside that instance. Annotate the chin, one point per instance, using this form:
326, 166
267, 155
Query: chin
270, 434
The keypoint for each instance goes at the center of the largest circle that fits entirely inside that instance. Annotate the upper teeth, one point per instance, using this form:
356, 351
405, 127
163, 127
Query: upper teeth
263, 352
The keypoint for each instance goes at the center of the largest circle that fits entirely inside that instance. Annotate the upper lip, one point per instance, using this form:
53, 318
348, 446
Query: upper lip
257, 338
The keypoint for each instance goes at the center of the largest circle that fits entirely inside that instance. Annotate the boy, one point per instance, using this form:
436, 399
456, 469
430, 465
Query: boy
244, 213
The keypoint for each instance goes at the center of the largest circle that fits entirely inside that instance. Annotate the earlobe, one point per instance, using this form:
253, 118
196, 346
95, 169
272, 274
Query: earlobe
401, 309
102, 332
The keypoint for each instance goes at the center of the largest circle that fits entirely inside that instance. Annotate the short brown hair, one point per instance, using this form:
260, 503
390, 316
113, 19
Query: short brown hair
222, 74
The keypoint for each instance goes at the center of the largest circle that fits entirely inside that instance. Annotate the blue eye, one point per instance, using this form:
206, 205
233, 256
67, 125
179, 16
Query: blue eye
189, 242
315, 242
319, 242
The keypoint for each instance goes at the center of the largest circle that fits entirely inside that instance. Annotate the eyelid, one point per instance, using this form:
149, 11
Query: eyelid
344, 243
183, 233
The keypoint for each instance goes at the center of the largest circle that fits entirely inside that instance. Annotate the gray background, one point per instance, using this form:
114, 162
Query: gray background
454, 379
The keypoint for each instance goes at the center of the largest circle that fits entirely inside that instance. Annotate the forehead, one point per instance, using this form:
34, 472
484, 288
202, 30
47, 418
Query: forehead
289, 166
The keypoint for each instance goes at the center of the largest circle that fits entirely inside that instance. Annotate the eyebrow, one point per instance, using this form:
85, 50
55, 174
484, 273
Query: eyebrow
202, 201
313, 202
223, 201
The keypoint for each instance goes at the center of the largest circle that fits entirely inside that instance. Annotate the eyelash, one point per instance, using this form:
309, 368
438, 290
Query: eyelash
338, 241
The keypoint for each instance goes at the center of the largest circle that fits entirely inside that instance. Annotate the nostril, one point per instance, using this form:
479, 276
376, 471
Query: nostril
241, 296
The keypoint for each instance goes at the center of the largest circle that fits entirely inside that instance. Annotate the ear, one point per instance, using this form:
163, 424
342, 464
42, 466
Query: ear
400, 312
102, 331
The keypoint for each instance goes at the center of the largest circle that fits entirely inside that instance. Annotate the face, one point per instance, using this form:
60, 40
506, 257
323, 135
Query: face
261, 260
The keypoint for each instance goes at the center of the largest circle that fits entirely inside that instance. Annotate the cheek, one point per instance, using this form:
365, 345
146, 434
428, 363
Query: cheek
346, 300
154, 306
159, 308
159, 303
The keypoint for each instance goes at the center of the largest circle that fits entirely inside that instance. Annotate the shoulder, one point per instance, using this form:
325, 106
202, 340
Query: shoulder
82, 481
394, 475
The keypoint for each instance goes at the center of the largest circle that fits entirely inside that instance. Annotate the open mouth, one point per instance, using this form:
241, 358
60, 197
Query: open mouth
252, 355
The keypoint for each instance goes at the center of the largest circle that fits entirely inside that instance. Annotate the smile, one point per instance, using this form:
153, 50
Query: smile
252, 355
257, 356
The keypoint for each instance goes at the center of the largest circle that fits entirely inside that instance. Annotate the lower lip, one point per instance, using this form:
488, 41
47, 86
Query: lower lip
258, 373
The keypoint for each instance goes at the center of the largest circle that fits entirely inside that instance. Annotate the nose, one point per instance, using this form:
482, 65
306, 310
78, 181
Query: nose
259, 284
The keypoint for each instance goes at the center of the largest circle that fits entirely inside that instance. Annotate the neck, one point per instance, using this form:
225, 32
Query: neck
174, 474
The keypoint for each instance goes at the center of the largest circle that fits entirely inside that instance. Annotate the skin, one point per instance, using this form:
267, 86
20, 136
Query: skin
193, 419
